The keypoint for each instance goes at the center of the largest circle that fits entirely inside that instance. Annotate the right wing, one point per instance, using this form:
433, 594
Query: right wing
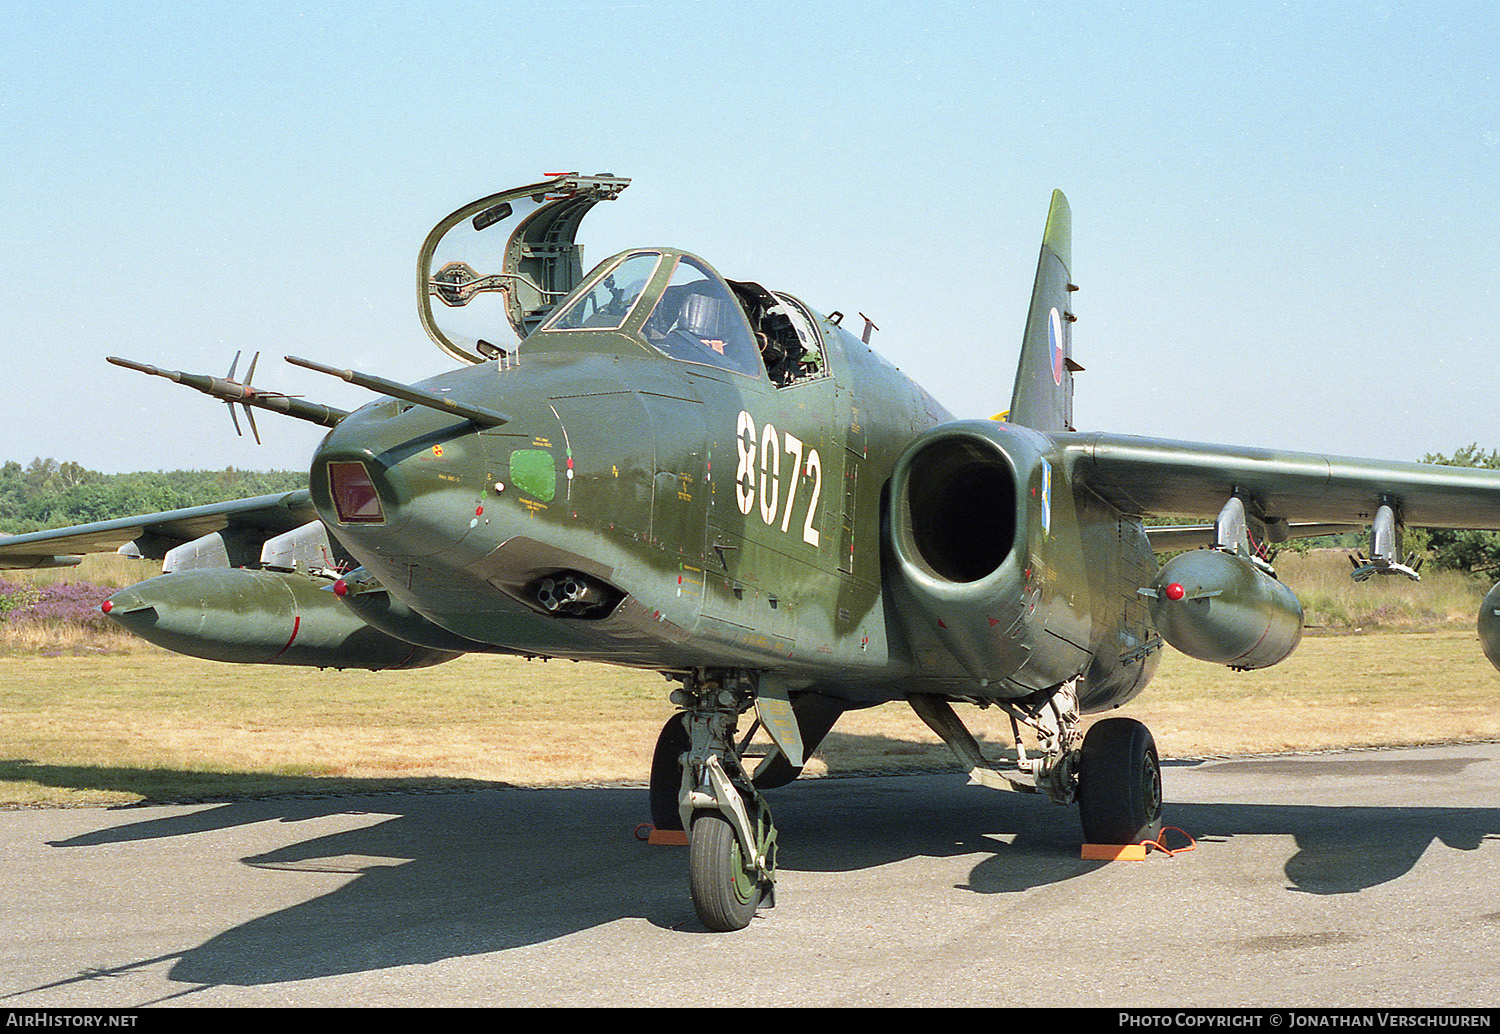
261, 517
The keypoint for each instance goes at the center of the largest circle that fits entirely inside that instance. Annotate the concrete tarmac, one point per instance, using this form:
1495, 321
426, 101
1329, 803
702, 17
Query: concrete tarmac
1367, 878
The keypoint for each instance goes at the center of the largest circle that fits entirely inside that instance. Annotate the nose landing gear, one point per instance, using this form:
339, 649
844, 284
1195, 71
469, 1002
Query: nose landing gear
732, 854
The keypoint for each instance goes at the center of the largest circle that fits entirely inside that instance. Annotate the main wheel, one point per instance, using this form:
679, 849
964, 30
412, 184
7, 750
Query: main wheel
666, 773
725, 889
1119, 783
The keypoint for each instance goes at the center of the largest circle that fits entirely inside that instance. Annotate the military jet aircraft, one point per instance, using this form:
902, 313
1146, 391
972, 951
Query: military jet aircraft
707, 478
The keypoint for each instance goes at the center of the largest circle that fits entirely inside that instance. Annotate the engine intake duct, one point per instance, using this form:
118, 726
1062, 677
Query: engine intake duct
958, 508
965, 499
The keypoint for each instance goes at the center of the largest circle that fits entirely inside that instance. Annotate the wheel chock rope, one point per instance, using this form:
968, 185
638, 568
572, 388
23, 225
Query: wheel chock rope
1159, 844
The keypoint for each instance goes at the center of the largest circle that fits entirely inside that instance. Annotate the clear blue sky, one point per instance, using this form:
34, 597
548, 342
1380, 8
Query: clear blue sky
1286, 227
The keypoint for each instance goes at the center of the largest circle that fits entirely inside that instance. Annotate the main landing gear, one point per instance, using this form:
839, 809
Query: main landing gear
699, 783
1112, 772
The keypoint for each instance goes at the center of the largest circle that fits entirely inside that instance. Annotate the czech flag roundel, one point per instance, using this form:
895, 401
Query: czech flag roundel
1055, 341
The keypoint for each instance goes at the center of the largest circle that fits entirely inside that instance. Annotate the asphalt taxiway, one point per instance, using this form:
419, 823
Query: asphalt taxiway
1365, 878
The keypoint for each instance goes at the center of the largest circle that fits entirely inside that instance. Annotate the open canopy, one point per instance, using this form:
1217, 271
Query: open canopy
499, 266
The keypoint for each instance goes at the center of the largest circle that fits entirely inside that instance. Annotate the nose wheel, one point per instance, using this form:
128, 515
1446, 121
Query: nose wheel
726, 886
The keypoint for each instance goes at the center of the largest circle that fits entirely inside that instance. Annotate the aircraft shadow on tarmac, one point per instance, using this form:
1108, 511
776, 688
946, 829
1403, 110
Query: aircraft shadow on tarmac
176, 786
452, 874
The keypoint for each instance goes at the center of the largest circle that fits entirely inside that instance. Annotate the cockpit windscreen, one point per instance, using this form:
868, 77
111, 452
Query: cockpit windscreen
607, 304
698, 320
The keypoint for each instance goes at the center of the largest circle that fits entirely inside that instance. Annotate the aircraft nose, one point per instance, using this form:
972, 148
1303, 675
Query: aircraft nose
399, 482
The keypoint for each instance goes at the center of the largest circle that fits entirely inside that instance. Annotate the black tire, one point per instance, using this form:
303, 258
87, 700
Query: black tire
666, 773
725, 890
1119, 783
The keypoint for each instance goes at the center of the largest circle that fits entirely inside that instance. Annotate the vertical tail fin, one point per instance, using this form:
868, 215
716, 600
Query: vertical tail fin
1043, 396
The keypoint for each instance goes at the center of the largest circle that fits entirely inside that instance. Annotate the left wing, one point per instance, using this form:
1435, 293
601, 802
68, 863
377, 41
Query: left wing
264, 516
1159, 477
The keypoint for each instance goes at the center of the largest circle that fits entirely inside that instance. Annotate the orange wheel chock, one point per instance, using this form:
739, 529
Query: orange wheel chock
1136, 852
661, 837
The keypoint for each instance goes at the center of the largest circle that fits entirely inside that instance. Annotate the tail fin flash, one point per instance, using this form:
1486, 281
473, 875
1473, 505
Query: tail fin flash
1043, 397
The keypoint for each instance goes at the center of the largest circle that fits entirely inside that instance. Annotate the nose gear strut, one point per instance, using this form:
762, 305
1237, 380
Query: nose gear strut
732, 863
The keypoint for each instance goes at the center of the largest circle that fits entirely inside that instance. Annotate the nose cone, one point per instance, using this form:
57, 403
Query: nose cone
399, 480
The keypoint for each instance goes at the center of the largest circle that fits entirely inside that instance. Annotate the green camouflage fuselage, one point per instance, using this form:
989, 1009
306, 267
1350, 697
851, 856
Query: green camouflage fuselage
741, 524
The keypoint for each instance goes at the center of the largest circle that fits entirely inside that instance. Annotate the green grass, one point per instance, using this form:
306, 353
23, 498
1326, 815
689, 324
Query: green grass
154, 726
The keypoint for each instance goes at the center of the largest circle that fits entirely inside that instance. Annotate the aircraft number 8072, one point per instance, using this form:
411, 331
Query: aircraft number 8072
769, 446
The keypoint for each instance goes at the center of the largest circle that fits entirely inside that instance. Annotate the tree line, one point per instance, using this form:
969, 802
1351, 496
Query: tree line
1477, 551
48, 494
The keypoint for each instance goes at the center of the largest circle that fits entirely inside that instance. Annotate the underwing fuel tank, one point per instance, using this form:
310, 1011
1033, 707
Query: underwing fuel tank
259, 617
1489, 625
1221, 608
